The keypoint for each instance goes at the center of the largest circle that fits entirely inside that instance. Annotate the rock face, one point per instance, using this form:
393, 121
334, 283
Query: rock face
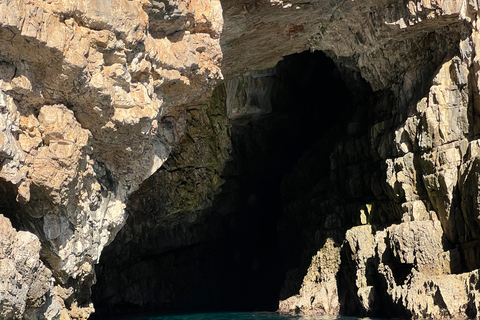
408, 263
26, 282
166, 215
319, 293
378, 217
222, 245
92, 100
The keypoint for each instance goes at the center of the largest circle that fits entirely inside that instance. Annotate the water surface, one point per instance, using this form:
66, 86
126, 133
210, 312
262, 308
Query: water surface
236, 316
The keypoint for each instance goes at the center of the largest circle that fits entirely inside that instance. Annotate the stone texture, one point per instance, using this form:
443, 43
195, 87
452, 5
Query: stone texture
319, 293
407, 263
413, 160
214, 235
431, 289
95, 95
26, 284
92, 100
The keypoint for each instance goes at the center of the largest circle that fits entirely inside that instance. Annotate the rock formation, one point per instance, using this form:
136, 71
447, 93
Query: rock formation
107, 110
93, 97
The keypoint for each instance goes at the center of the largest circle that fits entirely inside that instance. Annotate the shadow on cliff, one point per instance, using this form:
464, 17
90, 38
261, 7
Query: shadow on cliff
229, 257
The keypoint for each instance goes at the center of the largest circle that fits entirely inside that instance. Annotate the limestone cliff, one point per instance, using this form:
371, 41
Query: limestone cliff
95, 96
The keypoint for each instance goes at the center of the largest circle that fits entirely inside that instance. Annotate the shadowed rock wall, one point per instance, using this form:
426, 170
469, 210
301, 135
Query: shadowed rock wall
94, 96
92, 102
226, 256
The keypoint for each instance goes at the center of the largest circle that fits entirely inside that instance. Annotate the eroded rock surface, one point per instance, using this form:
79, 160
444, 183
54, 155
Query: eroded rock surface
431, 289
92, 100
410, 164
221, 244
95, 95
26, 284
319, 293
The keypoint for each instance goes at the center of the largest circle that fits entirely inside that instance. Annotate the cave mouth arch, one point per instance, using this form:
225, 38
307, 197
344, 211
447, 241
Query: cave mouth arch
227, 253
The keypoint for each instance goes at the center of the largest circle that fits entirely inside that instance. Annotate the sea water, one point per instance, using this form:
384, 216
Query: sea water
235, 316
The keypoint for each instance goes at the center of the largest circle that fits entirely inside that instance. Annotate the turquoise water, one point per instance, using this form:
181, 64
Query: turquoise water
236, 316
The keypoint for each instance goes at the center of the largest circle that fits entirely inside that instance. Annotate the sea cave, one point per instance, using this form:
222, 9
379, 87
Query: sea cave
178, 156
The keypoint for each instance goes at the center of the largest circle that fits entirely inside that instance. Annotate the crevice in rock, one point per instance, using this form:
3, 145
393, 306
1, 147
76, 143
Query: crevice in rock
9, 207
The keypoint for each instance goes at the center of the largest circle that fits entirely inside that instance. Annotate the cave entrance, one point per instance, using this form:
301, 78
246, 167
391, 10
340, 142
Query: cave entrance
286, 110
229, 256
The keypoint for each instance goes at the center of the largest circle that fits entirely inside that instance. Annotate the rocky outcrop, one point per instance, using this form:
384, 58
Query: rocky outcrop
319, 292
409, 263
26, 282
395, 173
222, 243
170, 212
95, 96
93, 99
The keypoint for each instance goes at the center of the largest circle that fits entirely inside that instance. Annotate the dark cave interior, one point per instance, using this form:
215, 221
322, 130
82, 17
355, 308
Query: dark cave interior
311, 99
234, 258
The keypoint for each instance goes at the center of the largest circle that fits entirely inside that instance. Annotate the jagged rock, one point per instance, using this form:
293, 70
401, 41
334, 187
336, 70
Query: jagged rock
95, 95
430, 290
92, 100
166, 212
26, 283
318, 293
410, 264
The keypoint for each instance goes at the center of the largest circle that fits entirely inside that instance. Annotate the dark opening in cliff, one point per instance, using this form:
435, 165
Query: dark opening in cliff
222, 252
